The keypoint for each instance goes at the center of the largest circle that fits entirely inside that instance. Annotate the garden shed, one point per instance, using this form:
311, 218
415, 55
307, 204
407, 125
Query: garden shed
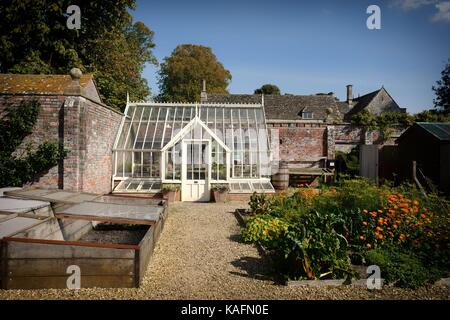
194, 145
427, 143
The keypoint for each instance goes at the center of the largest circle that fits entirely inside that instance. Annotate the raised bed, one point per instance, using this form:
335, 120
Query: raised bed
111, 249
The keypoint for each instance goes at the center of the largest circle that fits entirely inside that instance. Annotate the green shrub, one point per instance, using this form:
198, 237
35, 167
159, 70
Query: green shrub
401, 268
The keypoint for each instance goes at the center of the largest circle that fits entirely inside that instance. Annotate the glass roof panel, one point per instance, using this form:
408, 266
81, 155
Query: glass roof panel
153, 126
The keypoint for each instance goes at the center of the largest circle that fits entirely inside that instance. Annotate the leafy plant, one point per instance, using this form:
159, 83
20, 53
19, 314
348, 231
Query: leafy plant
16, 123
170, 187
265, 230
319, 232
259, 204
403, 269
220, 187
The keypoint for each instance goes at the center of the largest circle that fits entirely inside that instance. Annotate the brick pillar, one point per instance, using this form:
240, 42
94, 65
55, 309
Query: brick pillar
74, 133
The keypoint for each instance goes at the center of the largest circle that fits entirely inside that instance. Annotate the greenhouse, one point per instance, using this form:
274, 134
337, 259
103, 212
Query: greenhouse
195, 145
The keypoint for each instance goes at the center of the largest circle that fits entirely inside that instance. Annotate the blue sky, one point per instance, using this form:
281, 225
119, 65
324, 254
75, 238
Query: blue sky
306, 47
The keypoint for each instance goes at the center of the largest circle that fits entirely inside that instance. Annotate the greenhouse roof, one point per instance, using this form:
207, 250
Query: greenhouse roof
149, 126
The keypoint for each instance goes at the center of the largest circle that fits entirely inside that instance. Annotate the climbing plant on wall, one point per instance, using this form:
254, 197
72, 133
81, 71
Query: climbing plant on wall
384, 122
19, 168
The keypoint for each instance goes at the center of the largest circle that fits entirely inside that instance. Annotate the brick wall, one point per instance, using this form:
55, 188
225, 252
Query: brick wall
88, 130
301, 144
307, 144
101, 130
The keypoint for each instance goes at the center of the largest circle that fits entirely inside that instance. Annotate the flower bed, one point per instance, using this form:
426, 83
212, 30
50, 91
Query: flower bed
318, 234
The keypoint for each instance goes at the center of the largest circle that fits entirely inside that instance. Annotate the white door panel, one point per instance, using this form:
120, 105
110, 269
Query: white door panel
195, 167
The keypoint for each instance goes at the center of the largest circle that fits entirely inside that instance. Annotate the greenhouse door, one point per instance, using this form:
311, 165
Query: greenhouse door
195, 186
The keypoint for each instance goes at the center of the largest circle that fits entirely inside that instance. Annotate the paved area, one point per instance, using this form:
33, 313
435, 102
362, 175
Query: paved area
200, 256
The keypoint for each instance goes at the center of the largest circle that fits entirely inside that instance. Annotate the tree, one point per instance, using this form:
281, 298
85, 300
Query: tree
34, 38
268, 89
442, 90
181, 74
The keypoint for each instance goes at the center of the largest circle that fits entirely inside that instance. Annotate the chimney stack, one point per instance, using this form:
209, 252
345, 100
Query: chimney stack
203, 95
349, 94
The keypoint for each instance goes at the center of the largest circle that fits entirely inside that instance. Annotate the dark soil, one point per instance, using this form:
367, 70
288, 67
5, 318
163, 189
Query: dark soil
116, 234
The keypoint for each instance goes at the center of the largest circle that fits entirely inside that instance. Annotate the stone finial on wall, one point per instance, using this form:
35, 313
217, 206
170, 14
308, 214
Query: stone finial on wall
203, 94
74, 88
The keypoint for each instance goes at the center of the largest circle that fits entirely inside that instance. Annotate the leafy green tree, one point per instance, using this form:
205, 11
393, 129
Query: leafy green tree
268, 89
432, 115
442, 90
181, 74
34, 38
16, 123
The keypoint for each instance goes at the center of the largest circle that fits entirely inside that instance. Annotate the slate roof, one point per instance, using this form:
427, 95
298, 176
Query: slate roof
285, 107
37, 83
440, 130
362, 102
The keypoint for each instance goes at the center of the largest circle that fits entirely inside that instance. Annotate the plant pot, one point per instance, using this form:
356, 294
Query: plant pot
170, 195
220, 196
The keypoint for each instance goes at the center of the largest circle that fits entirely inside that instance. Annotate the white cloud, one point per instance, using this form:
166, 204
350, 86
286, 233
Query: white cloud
443, 7
443, 13
412, 4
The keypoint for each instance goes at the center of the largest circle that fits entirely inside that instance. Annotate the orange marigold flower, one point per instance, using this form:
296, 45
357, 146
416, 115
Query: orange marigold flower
423, 216
401, 236
369, 245
395, 226
380, 236
424, 209
364, 223
365, 211
416, 203
380, 211
405, 210
361, 237
373, 214
379, 229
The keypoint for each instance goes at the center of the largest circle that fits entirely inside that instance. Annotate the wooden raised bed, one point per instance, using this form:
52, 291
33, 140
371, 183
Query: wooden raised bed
38, 257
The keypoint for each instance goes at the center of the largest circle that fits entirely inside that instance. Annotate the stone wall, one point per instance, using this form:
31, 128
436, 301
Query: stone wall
87, 129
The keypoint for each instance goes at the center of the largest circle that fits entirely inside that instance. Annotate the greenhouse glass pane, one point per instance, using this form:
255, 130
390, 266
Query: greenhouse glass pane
123, 135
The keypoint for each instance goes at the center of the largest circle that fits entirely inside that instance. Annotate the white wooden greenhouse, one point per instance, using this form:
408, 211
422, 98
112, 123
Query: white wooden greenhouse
195, 145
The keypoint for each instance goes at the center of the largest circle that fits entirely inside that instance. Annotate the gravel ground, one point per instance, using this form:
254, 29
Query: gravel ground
200, 256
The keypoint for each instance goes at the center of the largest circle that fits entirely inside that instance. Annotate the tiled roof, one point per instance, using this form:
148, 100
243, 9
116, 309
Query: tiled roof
38, 83
285, 107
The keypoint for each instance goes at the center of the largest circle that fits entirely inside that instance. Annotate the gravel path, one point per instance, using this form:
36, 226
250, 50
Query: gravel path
200, 256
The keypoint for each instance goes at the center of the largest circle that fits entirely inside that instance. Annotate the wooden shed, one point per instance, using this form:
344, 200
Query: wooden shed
427, 143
